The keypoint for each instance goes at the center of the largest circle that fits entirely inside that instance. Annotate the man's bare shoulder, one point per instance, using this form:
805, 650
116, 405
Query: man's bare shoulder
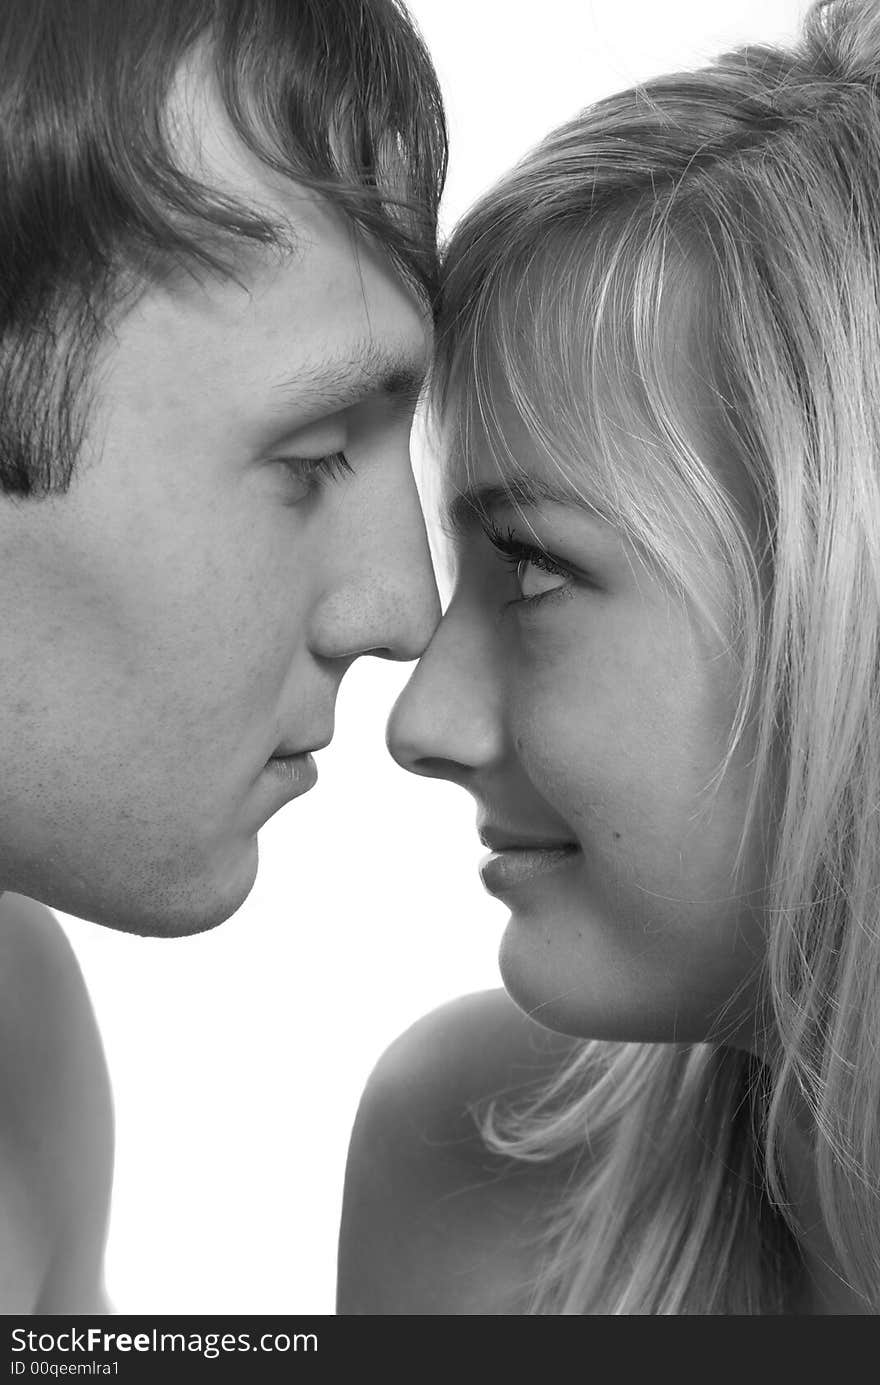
56, 1123
432, 1221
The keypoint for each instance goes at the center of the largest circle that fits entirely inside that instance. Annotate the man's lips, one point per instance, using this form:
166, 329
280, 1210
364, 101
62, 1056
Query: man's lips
298, 771
294, 766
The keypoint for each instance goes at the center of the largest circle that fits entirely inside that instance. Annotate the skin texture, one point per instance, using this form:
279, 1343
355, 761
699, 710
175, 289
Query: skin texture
596, 713
432, 1221
192, 604
56, 1130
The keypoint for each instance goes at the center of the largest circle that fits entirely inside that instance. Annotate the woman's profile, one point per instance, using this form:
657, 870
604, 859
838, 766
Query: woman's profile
657, 392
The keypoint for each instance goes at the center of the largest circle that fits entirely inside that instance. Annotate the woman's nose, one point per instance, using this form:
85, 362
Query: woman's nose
447, 723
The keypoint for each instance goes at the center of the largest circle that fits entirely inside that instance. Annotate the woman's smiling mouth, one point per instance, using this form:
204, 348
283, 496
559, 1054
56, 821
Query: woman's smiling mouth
512, 863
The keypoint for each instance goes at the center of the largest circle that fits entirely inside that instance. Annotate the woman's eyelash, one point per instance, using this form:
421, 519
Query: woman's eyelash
513, 551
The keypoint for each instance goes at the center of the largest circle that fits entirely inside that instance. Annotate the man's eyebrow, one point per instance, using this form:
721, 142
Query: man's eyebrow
368, 370
471, 506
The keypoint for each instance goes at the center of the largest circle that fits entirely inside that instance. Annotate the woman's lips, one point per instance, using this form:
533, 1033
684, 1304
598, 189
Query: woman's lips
506, 869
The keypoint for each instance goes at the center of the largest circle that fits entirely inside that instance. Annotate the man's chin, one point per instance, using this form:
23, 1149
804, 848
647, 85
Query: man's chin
184, 922
160, 906
199, 907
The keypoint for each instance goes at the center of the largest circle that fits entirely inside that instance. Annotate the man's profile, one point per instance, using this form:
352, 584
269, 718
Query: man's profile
218, 238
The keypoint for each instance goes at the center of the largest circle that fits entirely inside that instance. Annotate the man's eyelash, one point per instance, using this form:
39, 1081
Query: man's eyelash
334, 466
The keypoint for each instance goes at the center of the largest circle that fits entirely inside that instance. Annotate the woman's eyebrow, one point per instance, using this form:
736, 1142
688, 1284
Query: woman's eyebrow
474, 504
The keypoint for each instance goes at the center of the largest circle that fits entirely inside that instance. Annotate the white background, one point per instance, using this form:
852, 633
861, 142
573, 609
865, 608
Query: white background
237, 1057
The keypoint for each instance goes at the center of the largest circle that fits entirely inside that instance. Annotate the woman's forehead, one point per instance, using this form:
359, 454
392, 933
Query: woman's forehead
603, 396
655, 479
484, 470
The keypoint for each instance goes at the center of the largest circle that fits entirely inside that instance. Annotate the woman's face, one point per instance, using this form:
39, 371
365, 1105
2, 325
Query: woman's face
587, 709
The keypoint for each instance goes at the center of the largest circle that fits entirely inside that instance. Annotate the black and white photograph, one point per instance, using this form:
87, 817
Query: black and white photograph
439, 668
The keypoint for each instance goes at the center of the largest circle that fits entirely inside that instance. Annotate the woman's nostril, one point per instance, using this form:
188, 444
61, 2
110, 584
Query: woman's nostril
435, 767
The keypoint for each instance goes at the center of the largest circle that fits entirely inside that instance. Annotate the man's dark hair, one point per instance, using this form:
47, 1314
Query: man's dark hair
339, 95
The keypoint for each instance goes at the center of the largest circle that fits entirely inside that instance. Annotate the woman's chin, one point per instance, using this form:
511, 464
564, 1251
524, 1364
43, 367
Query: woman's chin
565, 989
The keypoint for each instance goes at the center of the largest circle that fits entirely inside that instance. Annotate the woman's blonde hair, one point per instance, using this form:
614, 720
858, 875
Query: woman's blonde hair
729, 218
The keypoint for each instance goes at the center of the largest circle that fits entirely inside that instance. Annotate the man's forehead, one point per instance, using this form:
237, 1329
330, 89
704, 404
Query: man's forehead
210, 149
202, 134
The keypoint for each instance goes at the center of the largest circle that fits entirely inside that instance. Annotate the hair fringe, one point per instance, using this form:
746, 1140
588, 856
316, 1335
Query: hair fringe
338, 95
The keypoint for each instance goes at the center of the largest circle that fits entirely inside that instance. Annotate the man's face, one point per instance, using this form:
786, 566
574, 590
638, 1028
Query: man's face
189, 608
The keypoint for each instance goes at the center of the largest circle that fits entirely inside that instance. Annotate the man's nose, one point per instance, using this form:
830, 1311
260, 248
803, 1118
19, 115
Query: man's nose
447, 721
386, 601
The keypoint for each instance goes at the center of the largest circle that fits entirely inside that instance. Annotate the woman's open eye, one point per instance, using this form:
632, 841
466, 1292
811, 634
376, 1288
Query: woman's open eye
537, 573
307, 473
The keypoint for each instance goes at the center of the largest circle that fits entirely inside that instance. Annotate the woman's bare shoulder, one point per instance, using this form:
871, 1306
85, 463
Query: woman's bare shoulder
432, 1221
56, 1098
